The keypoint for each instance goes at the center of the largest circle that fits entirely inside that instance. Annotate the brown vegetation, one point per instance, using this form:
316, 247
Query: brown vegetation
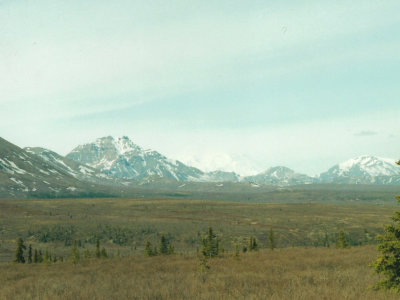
126, 225
292, 273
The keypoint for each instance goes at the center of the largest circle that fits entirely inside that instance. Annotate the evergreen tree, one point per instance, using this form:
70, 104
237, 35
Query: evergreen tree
210, 244
75, 256
253, 246
236, 251
30, 254
148, 250
19, 252
388, 263
171, 249
40, 258
326, 240
103, 253
97, 253
86, 254
36, 257
164, 245
47, 256
342, 241
271, 239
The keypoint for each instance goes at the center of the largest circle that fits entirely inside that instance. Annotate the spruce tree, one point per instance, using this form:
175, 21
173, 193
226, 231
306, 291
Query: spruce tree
326, 240
36, 257
75, 256
40, 258
19, 252
236, 251
163, 245
271, 239
47, 257
342, 241
388, 263
253, 246
86, 254
98, 253
103, 253
210, 244
148, 250
171, 249
30, 254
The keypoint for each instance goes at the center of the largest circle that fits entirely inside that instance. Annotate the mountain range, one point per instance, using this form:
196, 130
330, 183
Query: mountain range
37, 172
118, 163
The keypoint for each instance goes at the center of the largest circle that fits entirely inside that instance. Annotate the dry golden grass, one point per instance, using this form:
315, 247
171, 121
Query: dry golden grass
298, 273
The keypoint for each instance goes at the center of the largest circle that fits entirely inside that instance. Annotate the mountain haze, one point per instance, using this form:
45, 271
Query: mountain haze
280, 176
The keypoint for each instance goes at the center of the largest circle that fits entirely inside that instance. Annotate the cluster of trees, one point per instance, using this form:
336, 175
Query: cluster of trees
33, 255
165, 248
37, 256
210, 247
76, 255
211, 244
57, 233
68, 233
252, 245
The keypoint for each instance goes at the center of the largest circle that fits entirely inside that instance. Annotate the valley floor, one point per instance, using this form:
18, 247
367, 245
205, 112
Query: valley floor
299, 268
291, 273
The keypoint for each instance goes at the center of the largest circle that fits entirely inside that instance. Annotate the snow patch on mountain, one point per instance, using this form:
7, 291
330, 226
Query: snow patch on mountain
374, 166
363, 170
121, 158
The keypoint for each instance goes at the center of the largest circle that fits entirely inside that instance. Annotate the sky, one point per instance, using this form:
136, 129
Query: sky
234, 85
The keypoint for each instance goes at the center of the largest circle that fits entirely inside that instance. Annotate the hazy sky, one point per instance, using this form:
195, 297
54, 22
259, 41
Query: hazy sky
237, 85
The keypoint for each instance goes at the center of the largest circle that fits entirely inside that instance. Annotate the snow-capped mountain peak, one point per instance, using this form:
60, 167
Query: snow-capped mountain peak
124, 145
368, 165
279, 176
363, 169
122, 158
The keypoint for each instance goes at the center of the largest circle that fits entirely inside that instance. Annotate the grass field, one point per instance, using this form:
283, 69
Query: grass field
126, 224
291, 273
300, 268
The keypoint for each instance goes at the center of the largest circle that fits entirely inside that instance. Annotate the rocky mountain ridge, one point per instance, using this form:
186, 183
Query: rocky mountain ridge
119, 163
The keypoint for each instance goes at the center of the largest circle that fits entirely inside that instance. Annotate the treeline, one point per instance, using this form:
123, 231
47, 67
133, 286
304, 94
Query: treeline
165, 248
210, 247
66, 234
38, 256
133, 237
34, 255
